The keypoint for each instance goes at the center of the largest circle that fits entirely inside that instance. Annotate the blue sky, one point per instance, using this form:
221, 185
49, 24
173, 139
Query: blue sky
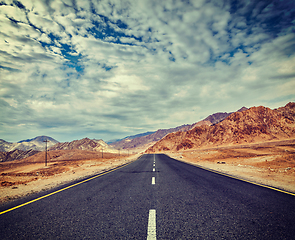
108, 69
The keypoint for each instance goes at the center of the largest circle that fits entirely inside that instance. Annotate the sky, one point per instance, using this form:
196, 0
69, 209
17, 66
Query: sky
108, 69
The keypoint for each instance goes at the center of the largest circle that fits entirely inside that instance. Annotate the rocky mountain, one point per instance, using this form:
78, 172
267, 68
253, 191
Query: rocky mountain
16, 154
146, 139
83, 144
216, 118
253, 125
36, 144
6, 146
129, 137
66, 155
40, 139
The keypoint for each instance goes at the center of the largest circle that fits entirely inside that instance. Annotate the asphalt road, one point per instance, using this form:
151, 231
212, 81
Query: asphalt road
171, 200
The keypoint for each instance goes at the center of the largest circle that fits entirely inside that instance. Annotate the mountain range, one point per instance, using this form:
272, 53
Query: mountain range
16, 154
256, 124
150, 138
23, 149
129, 137
84, 144
222, 128
26, 148
36, 144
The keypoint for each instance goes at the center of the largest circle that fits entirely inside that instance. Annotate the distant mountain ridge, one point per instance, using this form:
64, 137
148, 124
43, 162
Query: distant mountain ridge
40, 139
252, 125
16, 154
26, 148
130, 137
216, 118
36, 144
143, 140
83, 144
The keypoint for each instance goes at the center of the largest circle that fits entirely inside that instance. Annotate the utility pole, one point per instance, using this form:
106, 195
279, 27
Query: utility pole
46, 141
101, 152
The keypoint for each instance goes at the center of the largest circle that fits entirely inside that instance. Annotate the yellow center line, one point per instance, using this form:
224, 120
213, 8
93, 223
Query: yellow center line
60, 190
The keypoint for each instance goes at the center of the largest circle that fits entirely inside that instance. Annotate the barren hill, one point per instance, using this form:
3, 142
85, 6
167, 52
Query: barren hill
18, 150
153, 137
16, 154
216, 118
64, 155
130, 143
36, 143
253, 125
83, 144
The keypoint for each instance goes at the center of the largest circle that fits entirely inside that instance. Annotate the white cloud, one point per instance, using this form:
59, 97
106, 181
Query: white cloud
176, 61
286, 66
13, 13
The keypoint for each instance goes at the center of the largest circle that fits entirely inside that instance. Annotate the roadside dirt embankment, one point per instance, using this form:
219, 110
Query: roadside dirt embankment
268, 163
23, 177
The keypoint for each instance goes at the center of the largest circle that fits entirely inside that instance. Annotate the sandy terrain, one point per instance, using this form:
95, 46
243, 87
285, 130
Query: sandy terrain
20, 178
269, 163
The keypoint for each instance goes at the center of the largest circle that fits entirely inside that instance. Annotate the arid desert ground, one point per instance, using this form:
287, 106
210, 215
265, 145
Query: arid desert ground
23, 177
270, 163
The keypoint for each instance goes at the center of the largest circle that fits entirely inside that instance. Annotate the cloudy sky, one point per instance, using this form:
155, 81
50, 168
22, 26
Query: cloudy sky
111, 68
